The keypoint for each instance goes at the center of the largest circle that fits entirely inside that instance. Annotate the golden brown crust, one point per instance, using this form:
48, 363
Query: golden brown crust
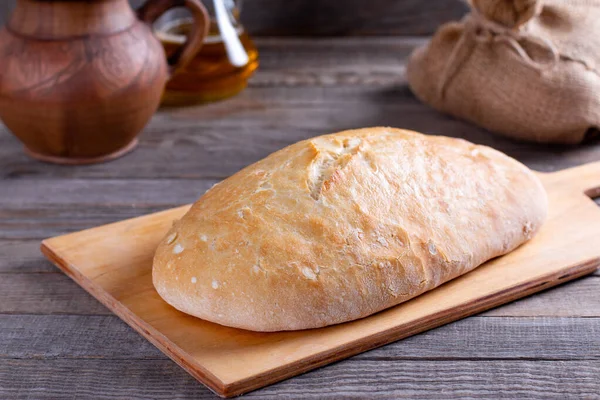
341, 226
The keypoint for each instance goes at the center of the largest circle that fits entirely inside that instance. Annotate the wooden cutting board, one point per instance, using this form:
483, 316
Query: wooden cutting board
113, 263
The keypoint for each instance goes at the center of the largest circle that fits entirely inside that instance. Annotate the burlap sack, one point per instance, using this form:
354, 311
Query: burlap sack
524, 68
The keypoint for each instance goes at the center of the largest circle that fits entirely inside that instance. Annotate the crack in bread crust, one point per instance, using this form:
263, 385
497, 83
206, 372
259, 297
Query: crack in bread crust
329, 160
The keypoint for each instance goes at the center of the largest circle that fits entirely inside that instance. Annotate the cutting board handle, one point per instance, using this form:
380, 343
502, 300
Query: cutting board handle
584, 178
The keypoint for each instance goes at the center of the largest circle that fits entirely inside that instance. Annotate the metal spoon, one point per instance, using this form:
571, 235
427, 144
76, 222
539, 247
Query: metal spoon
236, 53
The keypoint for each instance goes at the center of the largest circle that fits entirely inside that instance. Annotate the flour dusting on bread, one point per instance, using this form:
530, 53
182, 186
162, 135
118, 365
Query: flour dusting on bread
341, 226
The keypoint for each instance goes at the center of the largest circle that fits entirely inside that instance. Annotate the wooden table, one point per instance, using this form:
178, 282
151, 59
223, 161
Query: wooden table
56, 341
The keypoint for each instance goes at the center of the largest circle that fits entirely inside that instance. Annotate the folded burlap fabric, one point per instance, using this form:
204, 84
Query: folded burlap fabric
528, 69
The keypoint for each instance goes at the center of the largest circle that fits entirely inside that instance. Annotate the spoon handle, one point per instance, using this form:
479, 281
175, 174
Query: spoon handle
233, 46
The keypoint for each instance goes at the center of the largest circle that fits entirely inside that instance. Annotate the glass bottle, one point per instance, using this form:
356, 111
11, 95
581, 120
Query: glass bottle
225, 62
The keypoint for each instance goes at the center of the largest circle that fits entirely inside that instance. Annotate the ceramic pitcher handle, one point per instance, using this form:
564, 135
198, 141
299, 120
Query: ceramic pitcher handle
153, 9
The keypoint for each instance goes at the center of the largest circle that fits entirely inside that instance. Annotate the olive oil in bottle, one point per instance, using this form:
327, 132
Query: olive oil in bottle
211, 75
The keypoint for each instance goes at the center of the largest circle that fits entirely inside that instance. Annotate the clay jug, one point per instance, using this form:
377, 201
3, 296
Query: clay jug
79, 79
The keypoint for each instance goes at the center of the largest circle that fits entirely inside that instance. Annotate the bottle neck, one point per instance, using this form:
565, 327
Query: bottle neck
69, 19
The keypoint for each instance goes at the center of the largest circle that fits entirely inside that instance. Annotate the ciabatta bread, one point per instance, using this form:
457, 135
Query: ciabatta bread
342, 226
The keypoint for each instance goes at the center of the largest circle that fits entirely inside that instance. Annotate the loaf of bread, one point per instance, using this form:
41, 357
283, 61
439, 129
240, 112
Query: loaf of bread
342, 226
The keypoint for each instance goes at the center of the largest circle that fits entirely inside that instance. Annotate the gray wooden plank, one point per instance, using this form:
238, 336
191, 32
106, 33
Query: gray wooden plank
37, 209
70, 205
46, 293
579, 298
217, 140
328, 62
98, 336
23, 256
55, 293
330, 17
18, 224
353, 378
70, 336
350, 17
34, 193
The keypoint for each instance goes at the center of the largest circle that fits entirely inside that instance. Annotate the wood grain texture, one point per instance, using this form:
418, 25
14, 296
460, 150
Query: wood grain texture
330, 17
45, 293
23, 256
109, 192
54, 293
350, 17
56, 206
539, 338
303, 88
117, 271
350, 379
